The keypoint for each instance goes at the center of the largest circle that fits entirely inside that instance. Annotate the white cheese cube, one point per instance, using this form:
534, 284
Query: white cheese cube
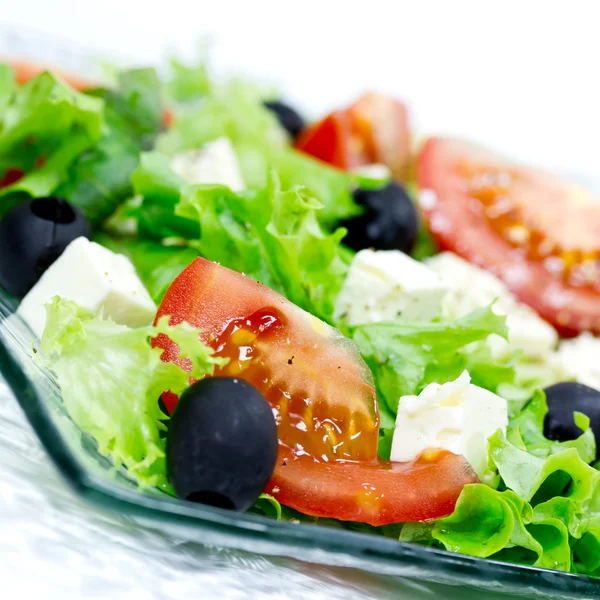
214, 163
457, 416
93, 277
471, 287
579, 359
383, 285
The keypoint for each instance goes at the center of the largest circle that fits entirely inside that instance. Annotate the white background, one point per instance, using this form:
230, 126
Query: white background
521, 75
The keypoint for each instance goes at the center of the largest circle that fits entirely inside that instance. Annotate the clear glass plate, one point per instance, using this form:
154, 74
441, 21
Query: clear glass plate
93, 477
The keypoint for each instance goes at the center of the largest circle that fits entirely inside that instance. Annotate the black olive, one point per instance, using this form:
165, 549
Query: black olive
389, 221
222, 443
290, 120
565, 398
33, 235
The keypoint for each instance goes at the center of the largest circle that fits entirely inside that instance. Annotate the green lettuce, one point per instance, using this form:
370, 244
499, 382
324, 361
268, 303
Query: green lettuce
160, 189
45, 119
528, 427
546, 515
110, 379
100, 179
272, 236
187, 82
404, 358
235, 110
8, 87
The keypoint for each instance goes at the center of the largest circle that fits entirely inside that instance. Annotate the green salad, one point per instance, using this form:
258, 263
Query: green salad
251, 312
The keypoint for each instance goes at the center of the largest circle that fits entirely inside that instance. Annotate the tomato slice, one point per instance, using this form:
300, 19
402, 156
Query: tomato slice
372, 130
374, 493
538, 233
322, 398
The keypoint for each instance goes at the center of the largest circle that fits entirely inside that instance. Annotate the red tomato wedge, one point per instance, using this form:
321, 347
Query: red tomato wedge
375, 493
537, 232
322, 397
374, 129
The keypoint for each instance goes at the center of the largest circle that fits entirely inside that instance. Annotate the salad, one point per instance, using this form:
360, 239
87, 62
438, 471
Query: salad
320, 322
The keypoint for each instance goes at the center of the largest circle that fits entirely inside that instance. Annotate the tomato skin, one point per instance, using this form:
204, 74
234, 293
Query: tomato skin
11, 176
374, 129
330, 140
378, 493
458, 224
328, 394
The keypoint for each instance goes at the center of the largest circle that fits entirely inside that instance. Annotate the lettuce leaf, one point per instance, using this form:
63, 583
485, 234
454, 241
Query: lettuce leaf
235, 110
111, 378
100, 179
404, 358
7, 87
525, 473
188, 82
528, 425
46, 119
160, 189
274, 237
546, 516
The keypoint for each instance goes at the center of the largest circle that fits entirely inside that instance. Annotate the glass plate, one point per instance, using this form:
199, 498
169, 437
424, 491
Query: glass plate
92, 476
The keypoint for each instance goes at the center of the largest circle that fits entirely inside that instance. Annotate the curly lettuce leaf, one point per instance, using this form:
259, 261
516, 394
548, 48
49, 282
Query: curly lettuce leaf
45, 125
537, 519
160, 189
528, 425
100, 178
404, 358
110, 378
525, 473
7, 87
188, 82
235, 110
274, 237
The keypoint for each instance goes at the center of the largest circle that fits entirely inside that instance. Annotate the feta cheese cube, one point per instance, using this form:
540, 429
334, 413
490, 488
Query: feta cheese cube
471, 287
579, 359
93, 277
457, 416
215, 163
383, 285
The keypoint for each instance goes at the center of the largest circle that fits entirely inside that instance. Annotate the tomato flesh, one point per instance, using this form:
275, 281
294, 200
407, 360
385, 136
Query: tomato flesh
322, 398
377, 493
319, 388
372, 130
539, 234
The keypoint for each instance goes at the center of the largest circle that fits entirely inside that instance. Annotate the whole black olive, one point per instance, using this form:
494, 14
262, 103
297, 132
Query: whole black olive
222, 443
290, 120
389, 222
565, 398
33, 235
